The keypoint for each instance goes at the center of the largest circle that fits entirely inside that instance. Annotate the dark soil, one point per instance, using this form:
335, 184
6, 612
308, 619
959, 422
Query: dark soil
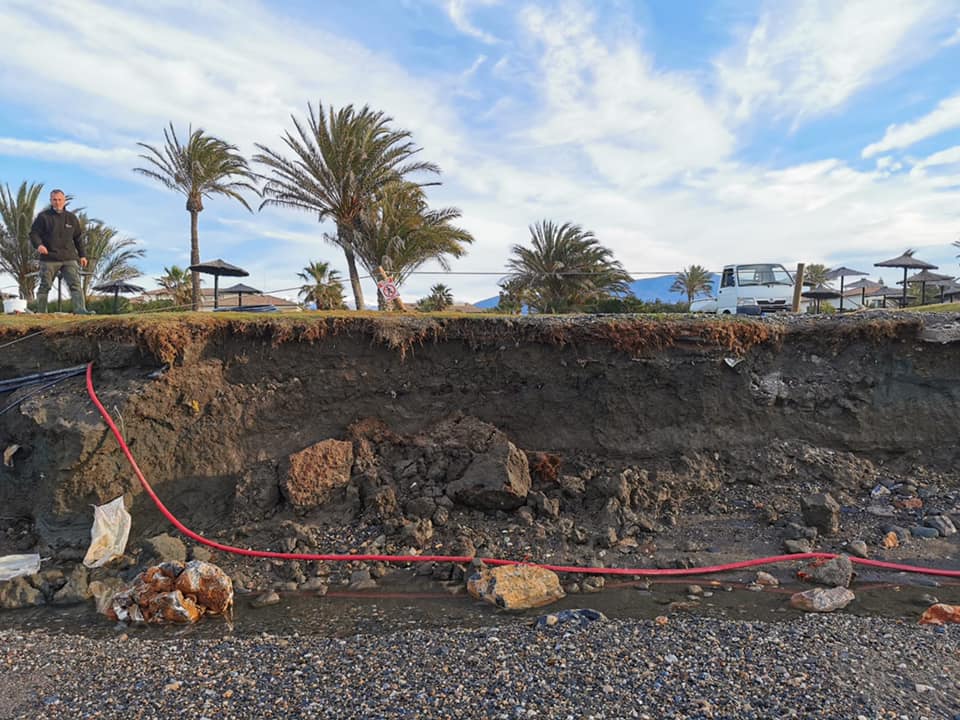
649, 442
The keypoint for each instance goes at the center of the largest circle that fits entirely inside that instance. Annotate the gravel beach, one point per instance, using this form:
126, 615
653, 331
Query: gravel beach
837, 666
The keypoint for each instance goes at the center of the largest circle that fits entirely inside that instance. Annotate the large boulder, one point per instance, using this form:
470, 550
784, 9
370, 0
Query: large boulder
316, 473
497, 479
515, 587
19, 593
941, 614
837, 572
822, 512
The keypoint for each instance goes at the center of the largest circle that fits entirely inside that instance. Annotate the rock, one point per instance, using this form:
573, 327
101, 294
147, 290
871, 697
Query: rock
316, 473
418, 532
497, 479
796, 547
75, 590
941, 614
942, 523
208, 586
201, 552
257, 493
903, 535
173, 593
421, 507
793, 531
578, 618
836, 572
546, 507
515, 587
767, 580
594, 583
165, 548
822, 600
858, 548
926, 533
265, 599
890, 541
19, 593
822, 512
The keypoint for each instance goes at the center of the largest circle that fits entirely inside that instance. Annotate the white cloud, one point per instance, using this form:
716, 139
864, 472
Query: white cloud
635, 123
67, 151
807, 58
457, 12
946, 116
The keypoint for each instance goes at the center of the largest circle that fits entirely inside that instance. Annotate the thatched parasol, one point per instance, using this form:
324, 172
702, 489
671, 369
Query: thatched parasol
908, 262
842, 272
240, 290
217, 268
821, 292
116, 287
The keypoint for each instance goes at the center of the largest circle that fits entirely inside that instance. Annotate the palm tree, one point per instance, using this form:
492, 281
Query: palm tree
400, 232
815, 275
693, 281
323, 286
342, 160
109, 257
204, 166
178, 283
17, 256
513, 296
439, 299
566, 268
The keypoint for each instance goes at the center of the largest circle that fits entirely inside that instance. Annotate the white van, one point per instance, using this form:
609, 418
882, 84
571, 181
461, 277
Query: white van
751, 289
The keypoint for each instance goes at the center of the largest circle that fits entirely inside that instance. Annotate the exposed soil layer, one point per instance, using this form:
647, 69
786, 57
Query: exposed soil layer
647, 441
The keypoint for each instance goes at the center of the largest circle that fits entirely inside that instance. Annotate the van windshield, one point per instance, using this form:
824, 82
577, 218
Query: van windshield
765, 274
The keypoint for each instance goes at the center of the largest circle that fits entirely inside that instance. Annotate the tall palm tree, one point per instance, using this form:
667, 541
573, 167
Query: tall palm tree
341, 160
204, 166
178, 284
400, 232
17, 256
439, 299
322, 286
566, 268
109, 257
693, 281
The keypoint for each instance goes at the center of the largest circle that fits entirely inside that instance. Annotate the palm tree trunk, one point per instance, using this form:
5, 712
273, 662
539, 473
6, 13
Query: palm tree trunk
351, 267
195, 257
26, 288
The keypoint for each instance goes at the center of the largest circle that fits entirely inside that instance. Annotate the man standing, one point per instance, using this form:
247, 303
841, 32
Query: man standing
56, 235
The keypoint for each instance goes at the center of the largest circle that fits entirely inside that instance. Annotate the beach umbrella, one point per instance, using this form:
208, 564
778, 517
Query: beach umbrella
217, 268
842, 272
116, 287
821, 292
925, 276
240, 290
908, 262
886, 292
863, 285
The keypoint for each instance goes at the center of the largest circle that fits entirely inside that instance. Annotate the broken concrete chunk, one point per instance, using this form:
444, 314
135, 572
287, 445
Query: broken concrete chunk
822, 512
822, 599
496, 479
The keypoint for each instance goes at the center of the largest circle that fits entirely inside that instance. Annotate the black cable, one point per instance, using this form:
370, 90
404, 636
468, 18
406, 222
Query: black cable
33, 392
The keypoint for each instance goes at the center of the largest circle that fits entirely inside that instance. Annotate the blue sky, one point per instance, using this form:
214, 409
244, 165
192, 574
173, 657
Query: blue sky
679, 131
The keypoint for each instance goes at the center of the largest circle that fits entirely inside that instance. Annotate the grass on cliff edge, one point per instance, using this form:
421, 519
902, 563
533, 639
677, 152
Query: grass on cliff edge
167, 336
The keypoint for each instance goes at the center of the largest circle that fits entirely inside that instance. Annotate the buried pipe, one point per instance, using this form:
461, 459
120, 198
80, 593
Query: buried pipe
464, 559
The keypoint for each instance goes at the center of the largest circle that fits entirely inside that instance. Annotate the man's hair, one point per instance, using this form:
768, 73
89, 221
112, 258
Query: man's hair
57, 191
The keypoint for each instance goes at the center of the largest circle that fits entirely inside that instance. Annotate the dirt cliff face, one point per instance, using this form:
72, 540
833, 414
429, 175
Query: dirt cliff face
690, 406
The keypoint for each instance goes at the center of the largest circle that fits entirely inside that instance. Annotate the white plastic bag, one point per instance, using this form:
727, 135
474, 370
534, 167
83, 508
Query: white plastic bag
14, 566
108, 536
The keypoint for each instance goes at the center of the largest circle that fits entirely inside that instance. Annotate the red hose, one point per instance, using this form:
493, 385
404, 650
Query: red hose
466, 558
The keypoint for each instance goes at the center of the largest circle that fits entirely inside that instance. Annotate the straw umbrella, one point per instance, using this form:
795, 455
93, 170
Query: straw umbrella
820, 292
240, 290
842, 272
217, 268
863, 285
908, 262
116, 287
923, 277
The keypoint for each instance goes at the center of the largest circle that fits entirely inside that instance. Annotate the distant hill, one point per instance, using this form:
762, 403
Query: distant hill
646, 289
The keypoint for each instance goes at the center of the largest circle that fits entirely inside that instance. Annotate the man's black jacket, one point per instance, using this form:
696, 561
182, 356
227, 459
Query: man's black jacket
59, 233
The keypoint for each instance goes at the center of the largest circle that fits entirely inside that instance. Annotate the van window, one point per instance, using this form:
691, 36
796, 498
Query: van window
727, 279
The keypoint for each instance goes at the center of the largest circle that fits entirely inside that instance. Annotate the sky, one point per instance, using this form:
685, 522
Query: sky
678, 131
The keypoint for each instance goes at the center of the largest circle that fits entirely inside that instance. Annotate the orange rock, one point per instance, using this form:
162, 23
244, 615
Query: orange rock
913, 503
317, 472
890, 540
941, 614
516, 587
661, 620
172, 607
208, 585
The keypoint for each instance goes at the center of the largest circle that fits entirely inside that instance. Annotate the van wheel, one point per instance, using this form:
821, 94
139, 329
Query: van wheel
725, 312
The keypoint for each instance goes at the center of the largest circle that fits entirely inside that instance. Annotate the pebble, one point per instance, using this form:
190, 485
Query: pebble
815, 666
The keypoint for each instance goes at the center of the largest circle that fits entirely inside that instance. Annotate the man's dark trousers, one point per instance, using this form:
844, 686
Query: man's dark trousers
70, 269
